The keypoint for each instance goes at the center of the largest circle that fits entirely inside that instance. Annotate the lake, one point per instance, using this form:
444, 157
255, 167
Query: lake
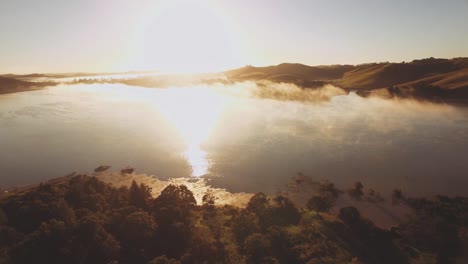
244, 142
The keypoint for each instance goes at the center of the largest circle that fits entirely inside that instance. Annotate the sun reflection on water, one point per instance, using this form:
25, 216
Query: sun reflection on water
197, 159
193, 112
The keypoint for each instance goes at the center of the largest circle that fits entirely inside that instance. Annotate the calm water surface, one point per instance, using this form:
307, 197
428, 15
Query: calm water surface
248, 143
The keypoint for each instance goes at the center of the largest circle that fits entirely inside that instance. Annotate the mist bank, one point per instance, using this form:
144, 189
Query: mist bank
435, 80
431, 79
249, 137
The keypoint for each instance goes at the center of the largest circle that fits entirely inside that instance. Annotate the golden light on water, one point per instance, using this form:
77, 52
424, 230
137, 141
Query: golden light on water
197, 158
193, 112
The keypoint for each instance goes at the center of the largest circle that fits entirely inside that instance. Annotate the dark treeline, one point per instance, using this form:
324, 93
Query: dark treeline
84, 220
12, 85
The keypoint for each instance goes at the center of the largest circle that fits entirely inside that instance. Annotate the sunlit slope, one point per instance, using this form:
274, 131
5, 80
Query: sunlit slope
389, 74
452, 80
427, 78
299, 74
432, 79
447, 74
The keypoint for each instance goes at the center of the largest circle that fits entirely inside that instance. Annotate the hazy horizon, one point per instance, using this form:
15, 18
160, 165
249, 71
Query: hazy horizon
137, 71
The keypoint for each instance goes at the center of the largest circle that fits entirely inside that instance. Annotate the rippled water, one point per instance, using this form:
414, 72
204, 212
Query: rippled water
247, 143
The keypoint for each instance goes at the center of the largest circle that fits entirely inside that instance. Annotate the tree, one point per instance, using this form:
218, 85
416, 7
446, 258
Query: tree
172, 211
173, 205
357, 191
281, 244
257, 247
349, 215
283, 212
397, 196
373, 196
176, 194
244, 224
48, 244
93, 243
319, 204
258, 203
138, 228
139, 195
329, 189
87, 192
209, 198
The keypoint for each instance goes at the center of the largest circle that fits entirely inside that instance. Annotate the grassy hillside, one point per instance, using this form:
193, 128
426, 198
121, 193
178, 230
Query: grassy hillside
431, 79
299, 74
440, 80
389, 74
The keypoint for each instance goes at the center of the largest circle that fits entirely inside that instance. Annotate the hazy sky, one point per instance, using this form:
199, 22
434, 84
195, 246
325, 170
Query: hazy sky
206, 35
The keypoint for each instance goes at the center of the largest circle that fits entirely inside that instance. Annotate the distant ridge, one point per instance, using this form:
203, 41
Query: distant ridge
12, 85
431, 78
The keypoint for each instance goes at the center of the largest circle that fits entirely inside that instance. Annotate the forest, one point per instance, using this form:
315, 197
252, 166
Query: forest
84, 220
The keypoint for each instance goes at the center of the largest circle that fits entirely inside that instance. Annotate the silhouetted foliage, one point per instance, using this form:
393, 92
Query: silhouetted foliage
257, 247
375, 197
320, 204
283, 212
328, 189
244, 224
83, 220
439, 226
357, 191
209, 199
397, 196
173, 205
349, 215
258, 204
139, 195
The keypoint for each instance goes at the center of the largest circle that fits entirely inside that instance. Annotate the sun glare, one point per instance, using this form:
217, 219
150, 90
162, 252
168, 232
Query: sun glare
187, 37
193, 112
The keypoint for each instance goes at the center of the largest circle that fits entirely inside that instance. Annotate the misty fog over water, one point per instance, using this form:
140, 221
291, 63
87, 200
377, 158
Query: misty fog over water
243, 139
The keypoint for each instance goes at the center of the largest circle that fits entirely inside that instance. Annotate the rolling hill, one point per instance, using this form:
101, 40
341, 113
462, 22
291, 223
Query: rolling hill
432, 79
439, 80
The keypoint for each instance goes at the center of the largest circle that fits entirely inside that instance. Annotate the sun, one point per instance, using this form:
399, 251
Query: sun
187, 37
